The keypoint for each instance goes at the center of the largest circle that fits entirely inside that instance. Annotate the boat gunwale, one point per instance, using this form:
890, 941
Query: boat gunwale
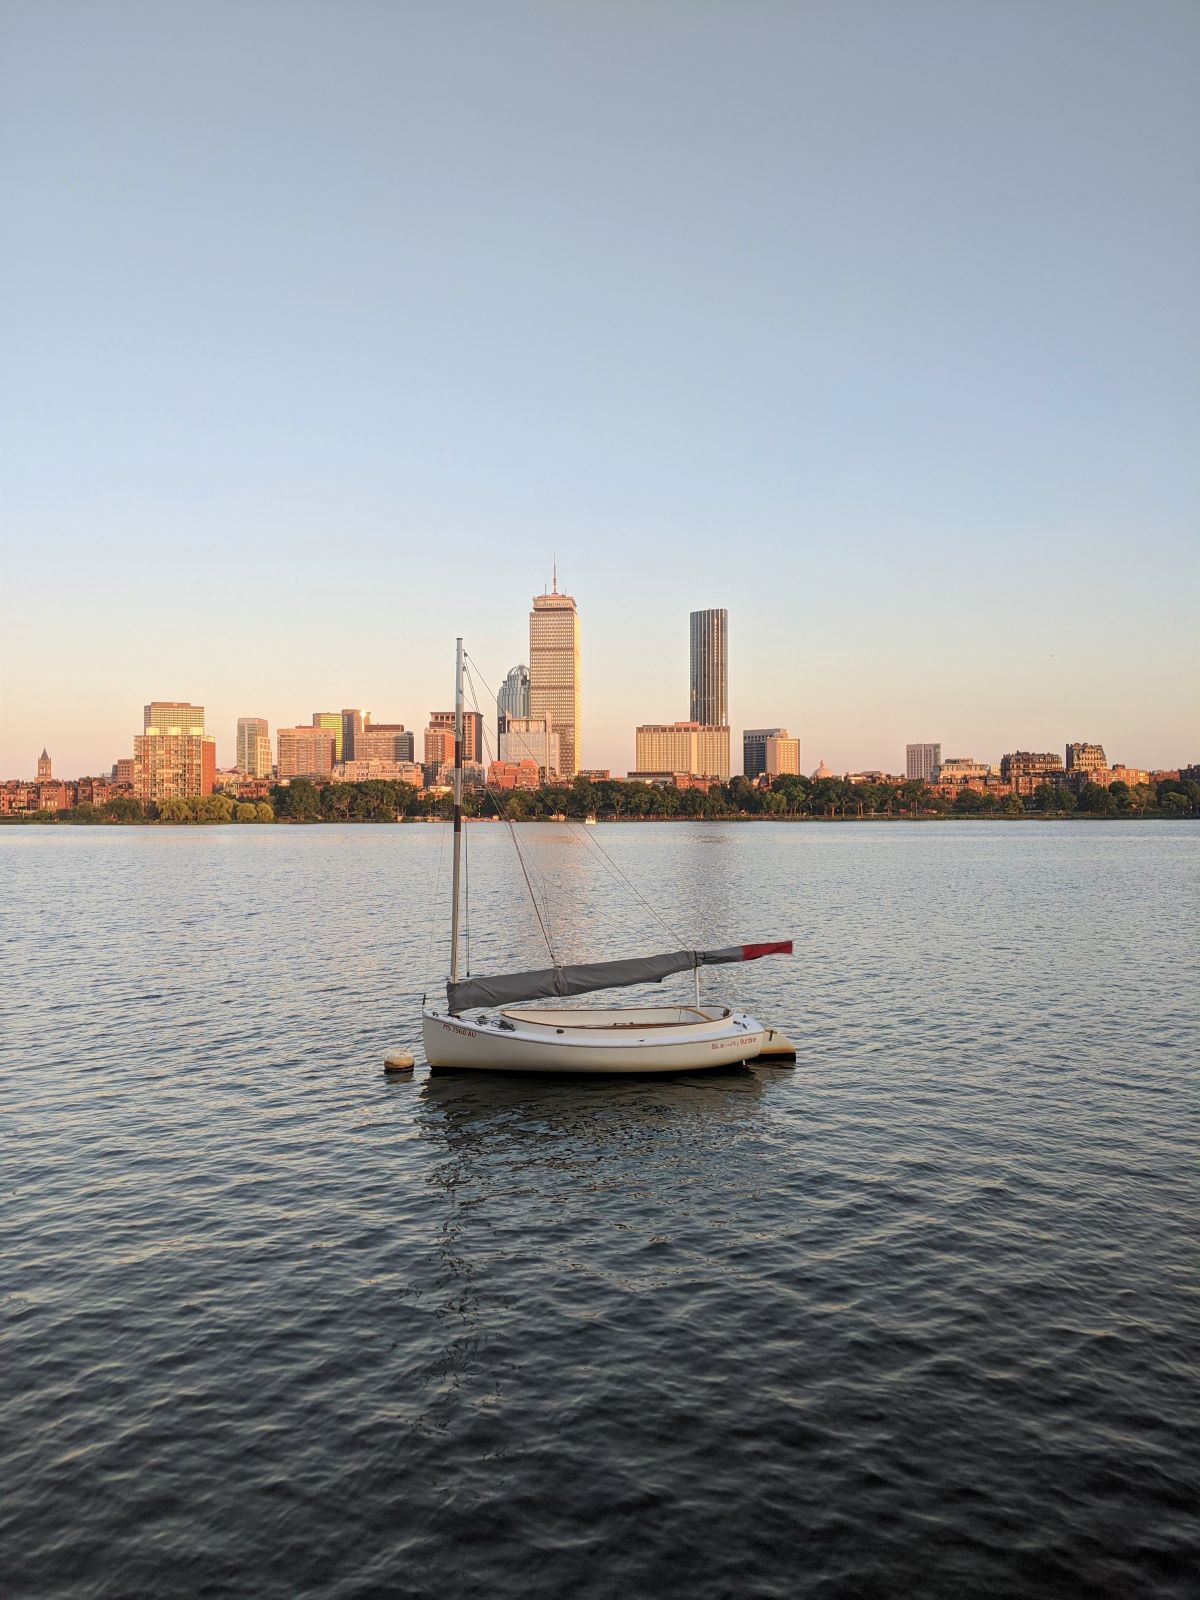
531, 1019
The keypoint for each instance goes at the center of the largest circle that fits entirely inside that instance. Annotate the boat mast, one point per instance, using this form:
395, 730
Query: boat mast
458, 777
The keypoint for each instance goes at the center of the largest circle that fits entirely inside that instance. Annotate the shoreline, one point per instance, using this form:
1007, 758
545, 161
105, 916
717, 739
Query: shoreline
64, 820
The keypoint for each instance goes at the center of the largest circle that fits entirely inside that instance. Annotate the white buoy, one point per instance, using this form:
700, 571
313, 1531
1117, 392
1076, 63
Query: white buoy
398, 1061
777, 1047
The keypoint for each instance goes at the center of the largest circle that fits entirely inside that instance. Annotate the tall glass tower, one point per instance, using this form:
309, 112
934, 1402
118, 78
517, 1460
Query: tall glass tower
513, 699
710, 668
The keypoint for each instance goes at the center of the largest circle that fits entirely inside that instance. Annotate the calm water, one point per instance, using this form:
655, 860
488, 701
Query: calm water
917, 1317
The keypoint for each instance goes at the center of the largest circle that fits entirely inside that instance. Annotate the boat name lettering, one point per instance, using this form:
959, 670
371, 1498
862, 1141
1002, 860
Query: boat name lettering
726, 1044
467, 1033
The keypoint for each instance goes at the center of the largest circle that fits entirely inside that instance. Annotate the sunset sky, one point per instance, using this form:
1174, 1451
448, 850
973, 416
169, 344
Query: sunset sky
326, 327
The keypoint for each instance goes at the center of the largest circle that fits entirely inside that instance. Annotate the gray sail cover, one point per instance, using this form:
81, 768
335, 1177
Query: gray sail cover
550, 982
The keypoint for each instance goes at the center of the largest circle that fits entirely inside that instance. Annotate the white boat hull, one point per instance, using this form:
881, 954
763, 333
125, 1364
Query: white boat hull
637, 1040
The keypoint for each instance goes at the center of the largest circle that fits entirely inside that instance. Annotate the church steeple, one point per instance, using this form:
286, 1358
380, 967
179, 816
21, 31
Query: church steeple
43, 767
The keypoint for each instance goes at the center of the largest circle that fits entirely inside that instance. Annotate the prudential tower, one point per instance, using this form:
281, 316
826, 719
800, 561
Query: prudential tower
554, 671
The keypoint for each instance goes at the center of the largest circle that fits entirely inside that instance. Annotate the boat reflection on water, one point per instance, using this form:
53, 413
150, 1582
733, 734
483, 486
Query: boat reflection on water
466, 1108
560, 1205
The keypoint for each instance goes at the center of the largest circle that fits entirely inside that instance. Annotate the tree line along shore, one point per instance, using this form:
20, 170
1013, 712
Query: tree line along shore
788, 799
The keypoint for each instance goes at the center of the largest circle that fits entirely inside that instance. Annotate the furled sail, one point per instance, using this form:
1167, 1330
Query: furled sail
549, 982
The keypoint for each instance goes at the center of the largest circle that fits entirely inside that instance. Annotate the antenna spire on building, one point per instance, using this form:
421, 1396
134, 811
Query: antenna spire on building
554, 562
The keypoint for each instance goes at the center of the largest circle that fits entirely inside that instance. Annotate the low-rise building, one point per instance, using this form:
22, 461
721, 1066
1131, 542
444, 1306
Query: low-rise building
698, 748
1027, 770
959, 769
367, 770
505, 775
1086, 757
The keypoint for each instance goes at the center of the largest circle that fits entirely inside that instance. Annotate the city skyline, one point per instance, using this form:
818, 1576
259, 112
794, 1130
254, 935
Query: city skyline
874, 326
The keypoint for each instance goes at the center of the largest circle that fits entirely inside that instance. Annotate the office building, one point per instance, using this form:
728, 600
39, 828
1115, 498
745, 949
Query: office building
531, 739
1085, 757
172, 757
554, 672
383, 741
439, 747
253, 747
710, 668
513, 699
472, 749
332, 720
691, 747
769, 752
174, 717
305, 752
921, 761
782, 756
352, 723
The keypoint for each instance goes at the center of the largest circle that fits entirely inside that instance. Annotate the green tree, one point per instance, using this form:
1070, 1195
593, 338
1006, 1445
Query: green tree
213, 808
971, 803
176, 808
245, 811
582, 800
123, 808
1095, 799
296, 801
264, 811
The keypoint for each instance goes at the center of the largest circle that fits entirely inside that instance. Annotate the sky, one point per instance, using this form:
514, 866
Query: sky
327, 328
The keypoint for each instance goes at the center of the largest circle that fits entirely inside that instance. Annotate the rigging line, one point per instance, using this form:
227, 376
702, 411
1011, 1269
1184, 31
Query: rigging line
437, 891
595, 843
542, 922
632, 887
467, 897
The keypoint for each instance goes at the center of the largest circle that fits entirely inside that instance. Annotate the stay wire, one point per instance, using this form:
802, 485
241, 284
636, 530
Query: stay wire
595, 843
632, 887
498, 799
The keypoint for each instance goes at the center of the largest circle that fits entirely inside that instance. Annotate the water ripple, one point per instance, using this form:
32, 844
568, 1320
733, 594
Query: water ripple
917, 1317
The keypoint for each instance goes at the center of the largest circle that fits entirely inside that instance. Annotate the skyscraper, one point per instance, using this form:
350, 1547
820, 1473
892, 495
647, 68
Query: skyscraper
554, 672
253, 747
305, 752
710, 668
172, 756
513, 699
352, 722
333, 721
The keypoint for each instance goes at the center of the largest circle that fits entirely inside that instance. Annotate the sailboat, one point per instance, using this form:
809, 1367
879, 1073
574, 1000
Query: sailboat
487, 1025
